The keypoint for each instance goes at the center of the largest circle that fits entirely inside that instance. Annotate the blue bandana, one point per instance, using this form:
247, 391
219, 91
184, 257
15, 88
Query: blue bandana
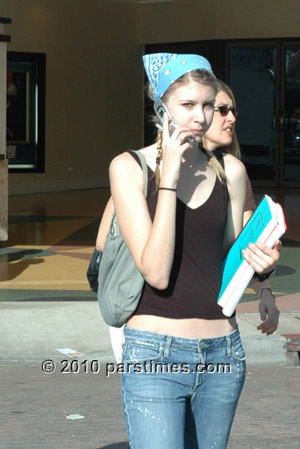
163, 69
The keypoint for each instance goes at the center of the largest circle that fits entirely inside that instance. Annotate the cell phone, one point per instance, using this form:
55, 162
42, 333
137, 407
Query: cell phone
160, 108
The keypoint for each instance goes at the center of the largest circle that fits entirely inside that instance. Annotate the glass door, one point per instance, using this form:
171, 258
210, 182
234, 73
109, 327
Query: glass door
290, 121
265, 78
253, 79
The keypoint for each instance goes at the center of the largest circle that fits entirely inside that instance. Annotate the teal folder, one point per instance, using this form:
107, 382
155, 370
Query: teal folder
267, 224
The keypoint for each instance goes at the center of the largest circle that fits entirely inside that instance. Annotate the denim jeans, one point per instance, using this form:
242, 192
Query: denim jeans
180, 393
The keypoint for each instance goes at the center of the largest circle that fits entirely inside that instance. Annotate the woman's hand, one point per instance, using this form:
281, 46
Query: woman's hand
174, 146
269, 314
261, 258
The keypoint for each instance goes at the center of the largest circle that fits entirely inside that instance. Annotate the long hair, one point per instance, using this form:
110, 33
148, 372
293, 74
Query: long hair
234, 147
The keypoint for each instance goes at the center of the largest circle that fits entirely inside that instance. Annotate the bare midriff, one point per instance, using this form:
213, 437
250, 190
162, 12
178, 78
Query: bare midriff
183, 328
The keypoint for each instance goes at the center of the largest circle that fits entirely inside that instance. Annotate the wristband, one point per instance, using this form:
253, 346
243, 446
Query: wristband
268, 288
263, 277
167, 188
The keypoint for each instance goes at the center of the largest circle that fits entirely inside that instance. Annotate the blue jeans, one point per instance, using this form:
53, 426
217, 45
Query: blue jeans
180, 393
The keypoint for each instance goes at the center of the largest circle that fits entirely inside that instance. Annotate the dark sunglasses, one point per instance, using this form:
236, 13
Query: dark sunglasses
224, 110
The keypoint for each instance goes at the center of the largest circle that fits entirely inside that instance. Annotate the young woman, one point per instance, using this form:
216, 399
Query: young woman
221, 134
177, 238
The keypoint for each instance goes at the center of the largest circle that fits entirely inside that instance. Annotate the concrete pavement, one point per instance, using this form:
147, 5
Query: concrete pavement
34, 330
84, 411
79, 406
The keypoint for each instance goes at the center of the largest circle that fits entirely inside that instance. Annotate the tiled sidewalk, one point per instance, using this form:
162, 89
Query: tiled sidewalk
51, 239
36, 409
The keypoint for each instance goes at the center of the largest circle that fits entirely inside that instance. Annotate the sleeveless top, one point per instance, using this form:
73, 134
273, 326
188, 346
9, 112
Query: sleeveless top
195, 277
250, 203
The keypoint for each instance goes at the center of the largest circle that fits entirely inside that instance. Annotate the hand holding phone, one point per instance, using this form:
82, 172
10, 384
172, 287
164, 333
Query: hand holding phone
160, 109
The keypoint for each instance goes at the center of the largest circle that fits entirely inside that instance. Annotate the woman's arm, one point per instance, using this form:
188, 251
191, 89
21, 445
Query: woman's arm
264, 260
236, 184
259, 256
150, 243
247, 215
250, 204
268, 310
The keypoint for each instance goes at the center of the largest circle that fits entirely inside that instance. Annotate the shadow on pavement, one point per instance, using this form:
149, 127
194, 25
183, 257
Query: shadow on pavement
116, 446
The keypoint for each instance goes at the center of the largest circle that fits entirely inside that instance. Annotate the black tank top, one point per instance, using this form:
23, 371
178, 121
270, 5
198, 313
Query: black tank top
195, 278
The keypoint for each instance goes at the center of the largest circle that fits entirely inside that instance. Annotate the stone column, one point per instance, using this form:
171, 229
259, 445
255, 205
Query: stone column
3, 161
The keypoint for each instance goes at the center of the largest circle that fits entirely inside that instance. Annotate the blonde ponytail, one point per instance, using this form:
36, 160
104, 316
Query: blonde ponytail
158, 159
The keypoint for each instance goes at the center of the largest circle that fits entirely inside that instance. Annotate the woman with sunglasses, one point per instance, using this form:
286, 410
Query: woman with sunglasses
177, 235
221, 135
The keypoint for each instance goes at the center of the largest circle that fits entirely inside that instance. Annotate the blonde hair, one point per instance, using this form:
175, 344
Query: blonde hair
200, 76
234, 147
